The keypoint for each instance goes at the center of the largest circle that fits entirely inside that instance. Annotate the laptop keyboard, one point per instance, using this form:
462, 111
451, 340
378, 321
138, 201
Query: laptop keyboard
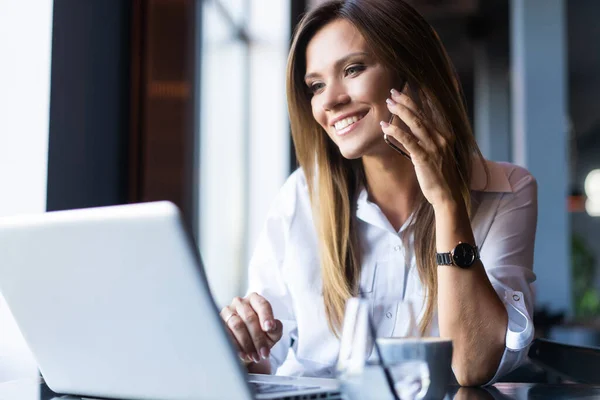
271, 388
268, 388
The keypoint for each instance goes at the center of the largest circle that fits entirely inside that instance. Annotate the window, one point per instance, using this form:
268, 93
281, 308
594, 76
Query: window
243, 132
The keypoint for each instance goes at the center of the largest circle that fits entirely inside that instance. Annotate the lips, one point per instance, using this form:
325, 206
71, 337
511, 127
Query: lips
346, 122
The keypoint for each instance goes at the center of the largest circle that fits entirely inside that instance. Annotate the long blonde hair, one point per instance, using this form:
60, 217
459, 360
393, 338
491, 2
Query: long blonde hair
408, 47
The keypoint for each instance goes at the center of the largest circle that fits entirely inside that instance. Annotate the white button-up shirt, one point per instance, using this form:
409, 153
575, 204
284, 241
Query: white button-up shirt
285, 267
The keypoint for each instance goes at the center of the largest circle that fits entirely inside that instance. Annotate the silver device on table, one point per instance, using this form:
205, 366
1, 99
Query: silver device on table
114, 302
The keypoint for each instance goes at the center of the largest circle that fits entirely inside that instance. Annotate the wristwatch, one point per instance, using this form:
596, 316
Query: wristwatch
463, 256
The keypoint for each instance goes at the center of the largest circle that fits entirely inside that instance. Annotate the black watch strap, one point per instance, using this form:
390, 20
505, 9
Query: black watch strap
444, 258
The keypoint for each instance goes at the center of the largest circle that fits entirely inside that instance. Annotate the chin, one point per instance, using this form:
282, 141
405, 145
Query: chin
351, 153
353, 149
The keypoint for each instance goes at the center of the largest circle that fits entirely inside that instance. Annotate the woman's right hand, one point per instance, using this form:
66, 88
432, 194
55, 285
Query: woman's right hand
252, 326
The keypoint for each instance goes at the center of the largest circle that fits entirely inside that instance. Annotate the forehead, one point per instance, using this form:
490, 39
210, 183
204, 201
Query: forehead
332, 42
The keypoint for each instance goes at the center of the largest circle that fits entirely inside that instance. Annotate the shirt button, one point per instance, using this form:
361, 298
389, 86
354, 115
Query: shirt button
397, 248
516, 297
388, 315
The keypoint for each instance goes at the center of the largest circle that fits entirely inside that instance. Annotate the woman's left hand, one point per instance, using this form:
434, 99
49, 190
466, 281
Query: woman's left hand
428, 148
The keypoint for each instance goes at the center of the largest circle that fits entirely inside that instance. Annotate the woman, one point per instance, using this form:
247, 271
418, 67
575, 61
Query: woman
360, 215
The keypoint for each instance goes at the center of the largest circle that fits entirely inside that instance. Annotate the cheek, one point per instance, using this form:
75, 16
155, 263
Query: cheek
372, 91
380, 91
318, 114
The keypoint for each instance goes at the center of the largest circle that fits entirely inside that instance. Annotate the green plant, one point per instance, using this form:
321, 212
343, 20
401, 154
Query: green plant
583, 266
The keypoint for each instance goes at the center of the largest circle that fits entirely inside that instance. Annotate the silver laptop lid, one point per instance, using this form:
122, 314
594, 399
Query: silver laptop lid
113, 302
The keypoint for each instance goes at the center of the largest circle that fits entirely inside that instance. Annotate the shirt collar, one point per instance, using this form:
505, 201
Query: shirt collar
371, 213
496, 181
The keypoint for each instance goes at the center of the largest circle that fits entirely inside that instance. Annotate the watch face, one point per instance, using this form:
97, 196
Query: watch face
463, 255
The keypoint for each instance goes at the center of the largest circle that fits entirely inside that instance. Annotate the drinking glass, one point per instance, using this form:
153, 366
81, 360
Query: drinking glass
380, 353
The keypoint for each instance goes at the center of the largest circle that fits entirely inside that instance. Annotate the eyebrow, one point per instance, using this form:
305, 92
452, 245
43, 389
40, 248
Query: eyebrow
342, 60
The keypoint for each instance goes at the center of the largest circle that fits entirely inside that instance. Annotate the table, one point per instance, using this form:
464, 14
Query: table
35, 389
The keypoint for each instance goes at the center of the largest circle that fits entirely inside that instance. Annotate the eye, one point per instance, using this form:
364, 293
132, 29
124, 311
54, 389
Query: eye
315, 87
354, 70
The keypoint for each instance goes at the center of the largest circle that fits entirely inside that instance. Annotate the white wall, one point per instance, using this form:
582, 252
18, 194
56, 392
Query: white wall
25, 46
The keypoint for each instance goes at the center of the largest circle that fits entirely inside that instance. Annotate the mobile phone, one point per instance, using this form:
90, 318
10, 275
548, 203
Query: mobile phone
393, 142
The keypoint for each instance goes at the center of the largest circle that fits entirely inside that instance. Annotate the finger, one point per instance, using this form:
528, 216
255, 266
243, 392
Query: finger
264, 311
226, 313
259, 338
238, 329
275, 334
414, 120
406, 139
406, 100
243, 356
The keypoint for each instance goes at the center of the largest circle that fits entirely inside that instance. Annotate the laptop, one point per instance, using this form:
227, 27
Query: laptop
114, 303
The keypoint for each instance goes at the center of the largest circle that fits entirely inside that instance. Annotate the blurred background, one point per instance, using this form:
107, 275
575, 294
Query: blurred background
108, 102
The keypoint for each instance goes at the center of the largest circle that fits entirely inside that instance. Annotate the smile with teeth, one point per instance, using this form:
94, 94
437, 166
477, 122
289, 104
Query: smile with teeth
344, 123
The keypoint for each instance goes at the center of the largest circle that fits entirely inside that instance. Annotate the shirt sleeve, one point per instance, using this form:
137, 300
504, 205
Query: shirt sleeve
265, 272
507, 255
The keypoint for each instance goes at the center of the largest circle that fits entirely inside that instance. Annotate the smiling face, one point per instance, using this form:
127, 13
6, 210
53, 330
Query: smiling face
349, 87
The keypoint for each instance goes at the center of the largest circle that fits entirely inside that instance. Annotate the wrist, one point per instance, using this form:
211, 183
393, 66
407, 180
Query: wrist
451, 208
452, 225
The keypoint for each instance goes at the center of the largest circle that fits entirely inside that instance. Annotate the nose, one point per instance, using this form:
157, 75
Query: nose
334, 97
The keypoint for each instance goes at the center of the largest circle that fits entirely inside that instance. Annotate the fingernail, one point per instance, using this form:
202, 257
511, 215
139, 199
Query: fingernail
255, 357
384, 124
269, 325
390, 101
264, 353
394, 92
242, 356
249, 358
